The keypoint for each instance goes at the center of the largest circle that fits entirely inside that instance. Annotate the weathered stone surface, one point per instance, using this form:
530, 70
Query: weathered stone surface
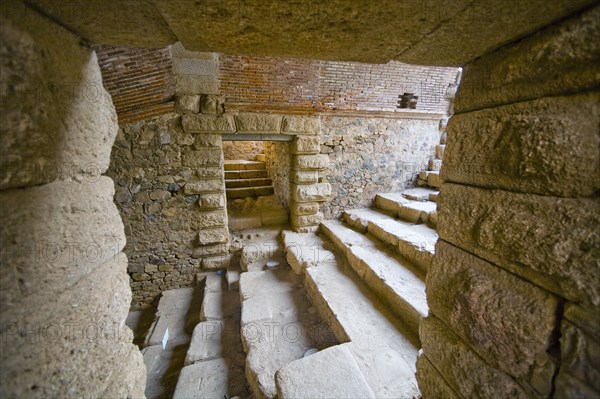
258, 123
188, 103
306, 220
506, 320
523, 147
211, 105
462, 368
559, 60
202, 157
311, 162
330, 373
211, 201
206, 342
213, 236
195, 66
204, 186
58, 122
60, 230
217, 262
504, 228
194, 84
306, 145
208, 140
431, 383
304, 208
213, 384
212, 219
304, 176
311, 192
303, 125
200, 123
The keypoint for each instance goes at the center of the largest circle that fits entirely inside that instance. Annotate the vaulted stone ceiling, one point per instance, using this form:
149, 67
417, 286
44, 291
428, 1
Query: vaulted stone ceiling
426, 32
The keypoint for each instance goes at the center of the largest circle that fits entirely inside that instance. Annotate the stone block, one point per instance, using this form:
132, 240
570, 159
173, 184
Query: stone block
213, 236
551, 241
462, 368
200, 123
195, 84
306, 220
188, 103
304, 176
303, 125
203, 187
202, 157
208, 140
559, 60
508, 321
547, 146
208, 172
304, 208
205, 220
311, 192
195, 66
206, 342
311, 162
211, 105
211, 201
431, 382
580, 354
61, 230
306, 145
217, 262
213, 384
258, 123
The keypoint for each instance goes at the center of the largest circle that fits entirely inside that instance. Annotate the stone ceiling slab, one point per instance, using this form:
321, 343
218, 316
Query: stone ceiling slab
132, 23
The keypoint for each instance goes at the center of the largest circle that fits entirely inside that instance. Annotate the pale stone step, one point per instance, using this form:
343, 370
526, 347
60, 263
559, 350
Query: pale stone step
305, 250
249, 192
434, 180
160, 380
397, 282
246, 174
244, 165
434, 196
238, 183
435, 164
272, 301
172, 314
261, 157
390, 202
330, 373
416, 211
439, 151
203, 380
418, 194
382, 345
414, 242
219, 305
206, 342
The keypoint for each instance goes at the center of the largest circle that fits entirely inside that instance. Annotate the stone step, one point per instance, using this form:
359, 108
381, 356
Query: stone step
277, 325
264, 218
435, 164
434, 196
172, 313
418, 194
246, 174
411, 211
244, 165
238, 183
261, 157
396, 281
414, 242
257, 253
439, 151
209, 379
245, 192
384, 349
434, 179
305, 250
332, 371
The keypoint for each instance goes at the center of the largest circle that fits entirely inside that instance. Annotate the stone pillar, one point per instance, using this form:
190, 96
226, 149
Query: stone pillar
514, 290
64, 289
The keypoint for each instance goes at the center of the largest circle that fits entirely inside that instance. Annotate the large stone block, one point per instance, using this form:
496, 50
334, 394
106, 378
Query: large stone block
202, 157
205, 220
462, 368
195, 66
211, 201
213, 236
311, 162
306, 145
302, 125
200, 123
58, 122
304, 208
562, 59
196, 84
508, 321
431, 383
304, 176
547, 146
311, 192
208, 140
204, 186
59, 231
258, 123
554, 242
306, 220
188, 103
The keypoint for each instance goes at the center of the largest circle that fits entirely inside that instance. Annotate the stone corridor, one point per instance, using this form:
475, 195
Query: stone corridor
299, 199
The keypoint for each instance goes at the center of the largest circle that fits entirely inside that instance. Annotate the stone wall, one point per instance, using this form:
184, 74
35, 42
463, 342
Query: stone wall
370, 155
278, 161
64, 292
247, 150
513, 292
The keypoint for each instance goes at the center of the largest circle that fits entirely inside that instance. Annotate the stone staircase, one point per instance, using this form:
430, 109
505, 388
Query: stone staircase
245, 179
431, 176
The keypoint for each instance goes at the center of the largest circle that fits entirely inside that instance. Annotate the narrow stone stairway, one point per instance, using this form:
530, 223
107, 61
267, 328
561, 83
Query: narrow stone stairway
245, 179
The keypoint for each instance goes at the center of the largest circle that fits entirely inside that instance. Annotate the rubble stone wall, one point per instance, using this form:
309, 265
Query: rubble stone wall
513, 292
247, 150
278, 160
64, 292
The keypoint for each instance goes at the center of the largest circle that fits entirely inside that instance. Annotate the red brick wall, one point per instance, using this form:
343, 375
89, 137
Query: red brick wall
293, 85
140, 81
